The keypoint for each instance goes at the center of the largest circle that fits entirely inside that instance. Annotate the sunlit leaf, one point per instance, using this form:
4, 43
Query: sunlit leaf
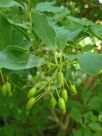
48, 7
8, 3
18, 60
44, 30
89, 62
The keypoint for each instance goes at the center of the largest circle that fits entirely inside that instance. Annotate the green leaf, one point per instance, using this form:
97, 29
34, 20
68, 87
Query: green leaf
21, 28
7, 130
83, 132
48, 7
78, 132
59, 17
76, 30
100, 117
85, 96
18, 60
72, 35
8, 3
90, 117
74, 103
61, 37
91, 63
84, 22
98, 133
76, 115
43, 29
95, 126
86, 132
95, 104
15, 37
5, 33
97, 31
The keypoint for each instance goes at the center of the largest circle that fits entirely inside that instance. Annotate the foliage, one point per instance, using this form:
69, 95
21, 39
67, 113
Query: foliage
50, 54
